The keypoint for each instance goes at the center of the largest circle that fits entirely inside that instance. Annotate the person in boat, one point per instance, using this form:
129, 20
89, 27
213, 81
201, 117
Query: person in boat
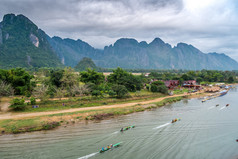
102, 149
111, 146
227, 105
121, 129
173, 121
108, 147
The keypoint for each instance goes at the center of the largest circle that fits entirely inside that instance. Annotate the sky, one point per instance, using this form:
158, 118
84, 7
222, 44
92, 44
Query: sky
209, 25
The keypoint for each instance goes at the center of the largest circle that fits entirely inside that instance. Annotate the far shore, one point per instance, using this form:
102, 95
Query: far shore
9, 122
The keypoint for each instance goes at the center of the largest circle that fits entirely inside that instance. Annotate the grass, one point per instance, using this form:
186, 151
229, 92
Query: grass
80, 102
47, 122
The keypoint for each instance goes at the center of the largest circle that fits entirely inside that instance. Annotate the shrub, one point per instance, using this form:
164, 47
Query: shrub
96, 93
33, 101
120, 90
18, 104
112, 93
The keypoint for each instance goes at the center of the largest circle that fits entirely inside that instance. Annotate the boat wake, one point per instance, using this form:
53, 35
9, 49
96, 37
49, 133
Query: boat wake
211, 107
88, 156
161, 126
116, 132
222, 108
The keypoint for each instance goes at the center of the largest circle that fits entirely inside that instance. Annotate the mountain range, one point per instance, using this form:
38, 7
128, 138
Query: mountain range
23, 44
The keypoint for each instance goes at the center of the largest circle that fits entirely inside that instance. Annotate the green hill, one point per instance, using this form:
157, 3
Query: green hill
22, 44
84, 64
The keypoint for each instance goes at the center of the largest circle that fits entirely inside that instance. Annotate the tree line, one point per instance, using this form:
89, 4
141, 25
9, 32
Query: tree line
46, 83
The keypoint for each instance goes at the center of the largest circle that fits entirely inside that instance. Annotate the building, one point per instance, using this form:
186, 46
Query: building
191, 84
171, 84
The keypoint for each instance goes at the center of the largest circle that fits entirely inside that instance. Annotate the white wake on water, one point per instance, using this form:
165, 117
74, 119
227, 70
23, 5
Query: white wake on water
222, 108
161, 126
211, 107
90, 155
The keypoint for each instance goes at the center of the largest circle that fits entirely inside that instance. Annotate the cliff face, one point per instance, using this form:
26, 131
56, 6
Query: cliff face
22, 44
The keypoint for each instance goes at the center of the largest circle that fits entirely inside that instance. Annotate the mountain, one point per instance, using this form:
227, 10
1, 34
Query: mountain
84, 64
22, 44
71, 51
129, 53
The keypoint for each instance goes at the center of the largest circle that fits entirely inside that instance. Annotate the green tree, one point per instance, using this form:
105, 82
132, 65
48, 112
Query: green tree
55, 77
116, 76
120, 90
91, 76
230, 79
20, 80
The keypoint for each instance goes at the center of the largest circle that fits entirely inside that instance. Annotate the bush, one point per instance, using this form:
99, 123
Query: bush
96, 93
18, 104
33, 101
154, 88
112, 93
120, 90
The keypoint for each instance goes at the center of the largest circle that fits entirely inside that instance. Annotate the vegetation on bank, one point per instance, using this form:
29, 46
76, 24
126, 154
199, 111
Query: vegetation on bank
92, 86
52, 121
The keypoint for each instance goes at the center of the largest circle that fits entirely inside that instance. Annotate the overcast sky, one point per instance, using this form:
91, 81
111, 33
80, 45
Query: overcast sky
209, 25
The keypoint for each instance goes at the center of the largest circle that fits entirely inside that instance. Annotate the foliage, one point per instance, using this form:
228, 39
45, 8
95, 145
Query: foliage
6, 89
91, 76
41, 92
33, 100
121, 77
120, 91
55, 77
18, 104
159, 86
96, 93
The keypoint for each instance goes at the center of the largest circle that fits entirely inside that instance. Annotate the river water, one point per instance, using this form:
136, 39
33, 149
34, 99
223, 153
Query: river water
204, 131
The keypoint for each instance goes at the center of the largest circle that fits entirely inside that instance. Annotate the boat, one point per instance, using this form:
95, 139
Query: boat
223, 92
227, 105
127, 128
113, 146
175, 120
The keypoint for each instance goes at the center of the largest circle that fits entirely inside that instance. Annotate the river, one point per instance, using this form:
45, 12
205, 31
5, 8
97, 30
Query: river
204, 131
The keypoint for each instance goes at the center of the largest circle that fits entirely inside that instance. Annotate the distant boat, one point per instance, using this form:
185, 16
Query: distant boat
223, 92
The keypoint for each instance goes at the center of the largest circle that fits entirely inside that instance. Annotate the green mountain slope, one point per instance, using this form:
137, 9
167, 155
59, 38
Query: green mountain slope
84, 64
22, 44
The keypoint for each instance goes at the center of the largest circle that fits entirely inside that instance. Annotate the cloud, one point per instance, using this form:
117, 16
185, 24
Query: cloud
209, 25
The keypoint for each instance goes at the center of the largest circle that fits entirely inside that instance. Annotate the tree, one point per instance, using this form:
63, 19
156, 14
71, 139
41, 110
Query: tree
20, 80
116, 76
159, 86
55, 77
120, 90
6, 89
230, 79
92, 76
131, 82
199, 80
69, 78
41, 92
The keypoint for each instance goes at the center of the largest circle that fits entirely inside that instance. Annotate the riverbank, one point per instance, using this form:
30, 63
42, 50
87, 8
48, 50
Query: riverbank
46, 122
28, 122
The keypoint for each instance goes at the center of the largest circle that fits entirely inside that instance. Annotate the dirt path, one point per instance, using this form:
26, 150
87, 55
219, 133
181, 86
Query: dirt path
26, 115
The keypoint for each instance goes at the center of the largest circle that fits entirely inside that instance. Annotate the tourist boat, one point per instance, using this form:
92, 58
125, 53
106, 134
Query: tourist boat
113, 146
223, 92
127, 128
175, 120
